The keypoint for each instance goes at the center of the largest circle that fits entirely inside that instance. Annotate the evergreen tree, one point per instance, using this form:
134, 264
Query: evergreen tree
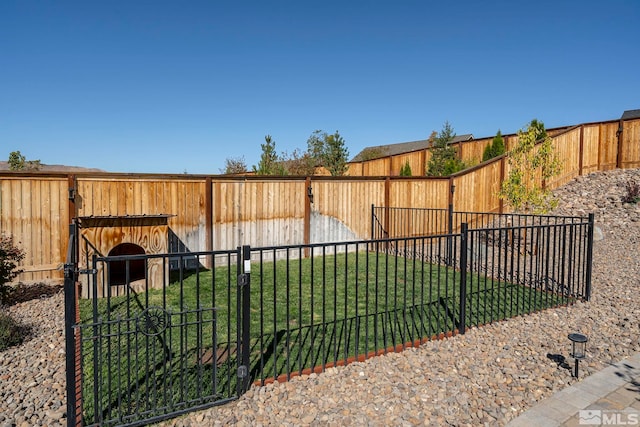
329, 151
495, 148
18, 162
444, 158
406, 169
270, 163
335, 156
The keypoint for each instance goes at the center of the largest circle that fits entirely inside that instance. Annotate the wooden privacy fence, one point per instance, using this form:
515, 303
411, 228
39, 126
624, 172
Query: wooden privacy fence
601, 146
203, 213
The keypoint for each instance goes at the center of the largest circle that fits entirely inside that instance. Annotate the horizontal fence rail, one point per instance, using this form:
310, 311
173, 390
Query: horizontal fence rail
393, 222
255, 315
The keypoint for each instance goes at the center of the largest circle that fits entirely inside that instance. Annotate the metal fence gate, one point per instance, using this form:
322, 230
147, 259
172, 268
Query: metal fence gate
146, 350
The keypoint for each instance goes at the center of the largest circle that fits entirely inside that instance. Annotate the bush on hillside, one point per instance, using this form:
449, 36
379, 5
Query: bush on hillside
11, 332
10, 257
632, 192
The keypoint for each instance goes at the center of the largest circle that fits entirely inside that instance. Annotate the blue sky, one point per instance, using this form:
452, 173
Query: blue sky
168, 87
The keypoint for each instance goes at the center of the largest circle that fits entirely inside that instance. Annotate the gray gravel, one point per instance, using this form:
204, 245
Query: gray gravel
488, 376
32, 375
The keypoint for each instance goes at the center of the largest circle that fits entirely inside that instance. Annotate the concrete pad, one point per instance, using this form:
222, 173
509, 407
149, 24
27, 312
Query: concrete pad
599, 386
558, 410
574, 421
534, 418
623, 396
576, 397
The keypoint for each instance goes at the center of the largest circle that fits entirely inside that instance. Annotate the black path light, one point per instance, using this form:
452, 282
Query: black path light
578, 348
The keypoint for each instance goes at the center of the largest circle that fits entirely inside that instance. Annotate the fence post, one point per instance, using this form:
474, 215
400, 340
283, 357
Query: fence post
244, 307
307, 212
581, 154
373, 215
208, 214
589, 256
464, 237
69, 332
619, 134
502, 178
387, 198
452, 189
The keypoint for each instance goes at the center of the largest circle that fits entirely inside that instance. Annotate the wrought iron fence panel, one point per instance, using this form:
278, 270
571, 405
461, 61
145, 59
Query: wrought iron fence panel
151, 350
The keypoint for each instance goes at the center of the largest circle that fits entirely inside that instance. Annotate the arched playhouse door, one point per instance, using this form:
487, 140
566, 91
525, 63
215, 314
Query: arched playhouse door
118, 269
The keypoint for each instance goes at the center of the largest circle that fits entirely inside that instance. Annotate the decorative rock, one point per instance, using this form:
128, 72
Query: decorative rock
597, 234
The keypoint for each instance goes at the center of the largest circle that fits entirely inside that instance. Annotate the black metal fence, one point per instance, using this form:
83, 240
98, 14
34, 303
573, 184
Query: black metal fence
202, 336
391, 222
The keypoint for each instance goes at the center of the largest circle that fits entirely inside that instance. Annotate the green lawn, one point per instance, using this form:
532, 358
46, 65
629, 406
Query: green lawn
304, 313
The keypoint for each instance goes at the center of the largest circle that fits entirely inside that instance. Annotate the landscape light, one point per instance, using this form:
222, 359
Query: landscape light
578, 348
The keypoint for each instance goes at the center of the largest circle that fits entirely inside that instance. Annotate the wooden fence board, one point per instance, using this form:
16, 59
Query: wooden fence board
630, 152
31, 211
567, 148
477, 191
590, 148
346, 206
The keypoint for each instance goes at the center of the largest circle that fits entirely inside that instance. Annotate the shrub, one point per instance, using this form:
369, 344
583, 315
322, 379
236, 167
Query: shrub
452, 166
532, 159
633, 192
11, 333
10, 257
406, 169
495, 148
371, 153
444, 159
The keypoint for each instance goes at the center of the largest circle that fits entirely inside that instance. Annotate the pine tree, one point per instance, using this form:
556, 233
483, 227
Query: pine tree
495, 148
406, 169
335, 155
270, 163
444, 158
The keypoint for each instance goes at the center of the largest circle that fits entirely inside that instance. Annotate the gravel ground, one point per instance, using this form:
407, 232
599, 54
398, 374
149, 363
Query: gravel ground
488, 376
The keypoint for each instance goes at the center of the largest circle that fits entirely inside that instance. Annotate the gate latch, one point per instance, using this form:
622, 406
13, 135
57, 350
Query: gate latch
243, 280
242, 371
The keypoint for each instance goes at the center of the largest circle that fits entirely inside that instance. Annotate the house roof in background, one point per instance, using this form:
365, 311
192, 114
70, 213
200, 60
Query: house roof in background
400, 148
631, 114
